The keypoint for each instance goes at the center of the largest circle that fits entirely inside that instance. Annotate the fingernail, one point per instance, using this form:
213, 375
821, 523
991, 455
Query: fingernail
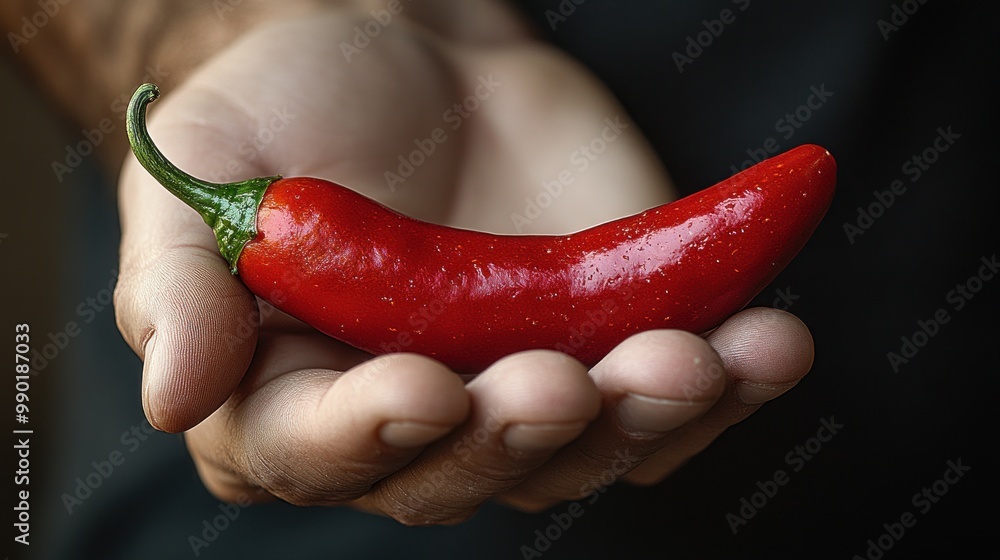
641, 414
541, 437
405, 434
757, 393
148, 352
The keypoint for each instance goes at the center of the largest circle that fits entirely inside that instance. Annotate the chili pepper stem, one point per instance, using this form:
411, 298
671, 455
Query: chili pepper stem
230, 209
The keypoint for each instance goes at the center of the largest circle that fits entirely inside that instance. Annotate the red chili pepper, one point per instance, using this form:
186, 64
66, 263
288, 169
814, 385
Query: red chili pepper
384, 282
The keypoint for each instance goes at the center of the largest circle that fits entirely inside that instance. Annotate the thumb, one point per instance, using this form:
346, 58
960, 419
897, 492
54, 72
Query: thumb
195, 329
177, 305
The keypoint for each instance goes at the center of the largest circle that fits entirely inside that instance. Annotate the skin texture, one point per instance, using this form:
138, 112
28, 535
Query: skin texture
88, 57
275, 409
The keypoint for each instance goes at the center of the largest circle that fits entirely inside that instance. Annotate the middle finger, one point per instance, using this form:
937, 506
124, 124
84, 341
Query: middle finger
524, 408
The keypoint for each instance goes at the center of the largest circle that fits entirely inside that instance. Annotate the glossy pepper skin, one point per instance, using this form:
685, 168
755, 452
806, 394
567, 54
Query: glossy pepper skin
384, 282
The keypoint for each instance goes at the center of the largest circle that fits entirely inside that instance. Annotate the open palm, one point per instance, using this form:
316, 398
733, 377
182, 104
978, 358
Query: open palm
504, 135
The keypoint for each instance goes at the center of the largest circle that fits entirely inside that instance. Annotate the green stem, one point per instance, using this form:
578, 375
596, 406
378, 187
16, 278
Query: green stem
230, 209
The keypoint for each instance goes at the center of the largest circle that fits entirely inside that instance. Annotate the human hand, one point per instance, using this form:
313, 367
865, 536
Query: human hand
312, 421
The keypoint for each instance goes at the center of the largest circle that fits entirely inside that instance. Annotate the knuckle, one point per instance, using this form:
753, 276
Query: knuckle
234, 494
591, 458
593, 470
488, 477
303, 485
302, 493
224, 484
423, 513
421, 503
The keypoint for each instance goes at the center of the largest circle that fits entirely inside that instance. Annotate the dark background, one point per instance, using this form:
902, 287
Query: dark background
900, 429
